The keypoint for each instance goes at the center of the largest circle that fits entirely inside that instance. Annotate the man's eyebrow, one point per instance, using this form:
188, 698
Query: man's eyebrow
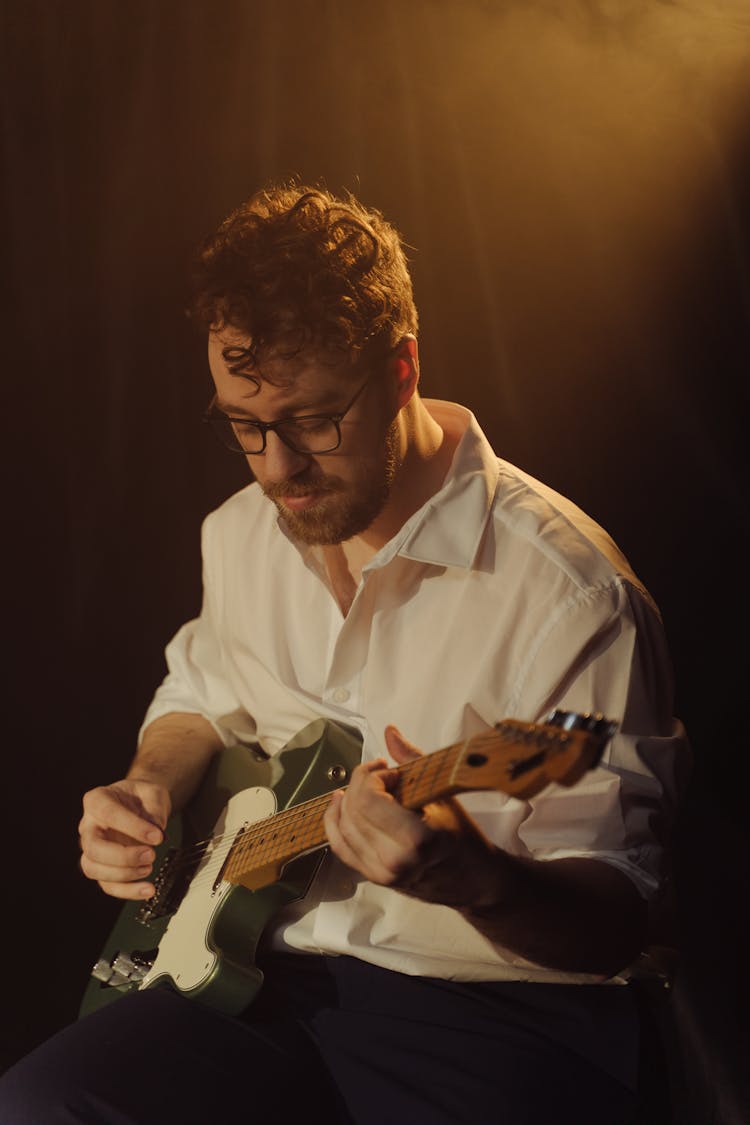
230, 408
301, 411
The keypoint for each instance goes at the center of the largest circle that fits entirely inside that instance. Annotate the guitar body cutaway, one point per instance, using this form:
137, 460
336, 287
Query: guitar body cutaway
241, 788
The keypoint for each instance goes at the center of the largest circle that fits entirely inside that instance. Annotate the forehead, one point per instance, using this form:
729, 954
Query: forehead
306, 378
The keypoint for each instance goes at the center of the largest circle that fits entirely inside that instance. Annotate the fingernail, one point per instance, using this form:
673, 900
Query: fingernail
146, 892
153, 837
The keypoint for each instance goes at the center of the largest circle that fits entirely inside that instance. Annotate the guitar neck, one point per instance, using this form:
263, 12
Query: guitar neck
263, 849
514, 757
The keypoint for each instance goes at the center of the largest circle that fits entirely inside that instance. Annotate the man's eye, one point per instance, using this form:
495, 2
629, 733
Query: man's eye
308, 426
241, 427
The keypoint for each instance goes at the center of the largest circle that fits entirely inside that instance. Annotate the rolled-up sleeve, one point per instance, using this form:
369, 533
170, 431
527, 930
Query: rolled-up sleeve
196, 682
616, 663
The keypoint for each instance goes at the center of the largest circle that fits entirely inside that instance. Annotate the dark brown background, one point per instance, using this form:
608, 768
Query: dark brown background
573, 178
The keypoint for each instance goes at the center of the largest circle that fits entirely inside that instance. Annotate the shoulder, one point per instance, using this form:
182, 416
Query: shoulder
243, 514
238, 504
546, 532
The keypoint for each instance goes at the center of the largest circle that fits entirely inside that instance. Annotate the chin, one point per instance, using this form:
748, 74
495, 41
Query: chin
326, 529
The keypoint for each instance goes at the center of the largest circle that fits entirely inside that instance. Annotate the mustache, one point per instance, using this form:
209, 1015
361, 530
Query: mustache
300, 486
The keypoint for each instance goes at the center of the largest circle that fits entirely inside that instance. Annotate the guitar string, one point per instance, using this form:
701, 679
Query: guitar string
304, 818
283, 814
300, 824
309, 838
282, 817
429, 761
300, 817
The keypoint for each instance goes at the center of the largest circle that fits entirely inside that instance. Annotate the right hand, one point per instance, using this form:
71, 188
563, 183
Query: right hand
120, 826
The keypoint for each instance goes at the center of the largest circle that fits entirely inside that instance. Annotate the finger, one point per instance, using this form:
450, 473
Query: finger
447, 815
104, 807
132, 891
368, 803
154, 800
99, 849
331, 823
367, 778
386, 838
351, 850
111, 872
384, 826
400, 749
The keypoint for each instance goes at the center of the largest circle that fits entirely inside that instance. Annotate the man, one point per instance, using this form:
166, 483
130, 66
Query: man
385, 571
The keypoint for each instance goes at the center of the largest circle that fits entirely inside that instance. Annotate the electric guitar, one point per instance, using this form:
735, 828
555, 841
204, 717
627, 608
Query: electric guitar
251, 840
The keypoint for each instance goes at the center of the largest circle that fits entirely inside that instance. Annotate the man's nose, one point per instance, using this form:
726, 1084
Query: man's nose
280, 462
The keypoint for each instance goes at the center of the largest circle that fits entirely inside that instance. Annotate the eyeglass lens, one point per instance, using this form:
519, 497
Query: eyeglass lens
313, 435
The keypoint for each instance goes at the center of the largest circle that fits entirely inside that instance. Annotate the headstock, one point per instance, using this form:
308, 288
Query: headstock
521, 759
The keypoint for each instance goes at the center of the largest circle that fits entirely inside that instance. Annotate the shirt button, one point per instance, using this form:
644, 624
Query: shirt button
340, 695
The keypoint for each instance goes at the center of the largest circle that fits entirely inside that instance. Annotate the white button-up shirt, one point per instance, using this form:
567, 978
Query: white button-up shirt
497, 599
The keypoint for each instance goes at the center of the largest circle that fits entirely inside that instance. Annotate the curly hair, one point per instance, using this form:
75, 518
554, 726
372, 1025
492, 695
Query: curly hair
298, 270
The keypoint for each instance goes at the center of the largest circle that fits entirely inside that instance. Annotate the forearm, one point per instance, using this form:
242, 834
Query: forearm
174, 752
580, 915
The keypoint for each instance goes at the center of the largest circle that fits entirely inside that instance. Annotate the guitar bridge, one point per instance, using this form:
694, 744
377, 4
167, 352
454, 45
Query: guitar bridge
171, 882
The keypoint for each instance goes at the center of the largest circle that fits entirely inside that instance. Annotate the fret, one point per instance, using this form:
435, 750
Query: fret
515, 757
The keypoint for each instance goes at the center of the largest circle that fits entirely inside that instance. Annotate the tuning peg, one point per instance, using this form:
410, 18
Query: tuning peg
595, 723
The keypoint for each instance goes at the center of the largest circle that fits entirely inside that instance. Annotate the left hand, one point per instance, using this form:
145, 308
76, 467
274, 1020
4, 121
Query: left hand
438, 855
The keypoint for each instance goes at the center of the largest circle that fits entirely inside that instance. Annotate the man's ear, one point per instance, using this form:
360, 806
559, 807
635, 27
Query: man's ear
404, 365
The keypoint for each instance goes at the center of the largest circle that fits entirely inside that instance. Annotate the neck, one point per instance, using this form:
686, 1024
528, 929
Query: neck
425, 455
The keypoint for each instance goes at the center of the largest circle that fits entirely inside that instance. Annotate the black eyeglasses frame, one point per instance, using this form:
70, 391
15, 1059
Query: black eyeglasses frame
212, 414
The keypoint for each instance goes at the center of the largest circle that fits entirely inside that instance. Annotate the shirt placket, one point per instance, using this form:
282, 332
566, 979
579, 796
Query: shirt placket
346, 658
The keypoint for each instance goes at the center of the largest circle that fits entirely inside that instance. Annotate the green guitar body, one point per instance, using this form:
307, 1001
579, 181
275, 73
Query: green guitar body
319, 759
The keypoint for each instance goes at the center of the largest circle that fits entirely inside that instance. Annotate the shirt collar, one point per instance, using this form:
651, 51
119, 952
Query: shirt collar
448, 528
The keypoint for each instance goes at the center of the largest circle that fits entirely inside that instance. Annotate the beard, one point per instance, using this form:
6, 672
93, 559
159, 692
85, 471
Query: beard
345, 508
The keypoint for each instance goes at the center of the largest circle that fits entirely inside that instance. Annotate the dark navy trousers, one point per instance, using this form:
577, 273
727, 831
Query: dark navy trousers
339, 1041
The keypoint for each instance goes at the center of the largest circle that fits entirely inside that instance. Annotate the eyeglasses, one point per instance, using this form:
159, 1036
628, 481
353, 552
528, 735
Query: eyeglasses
309, 433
